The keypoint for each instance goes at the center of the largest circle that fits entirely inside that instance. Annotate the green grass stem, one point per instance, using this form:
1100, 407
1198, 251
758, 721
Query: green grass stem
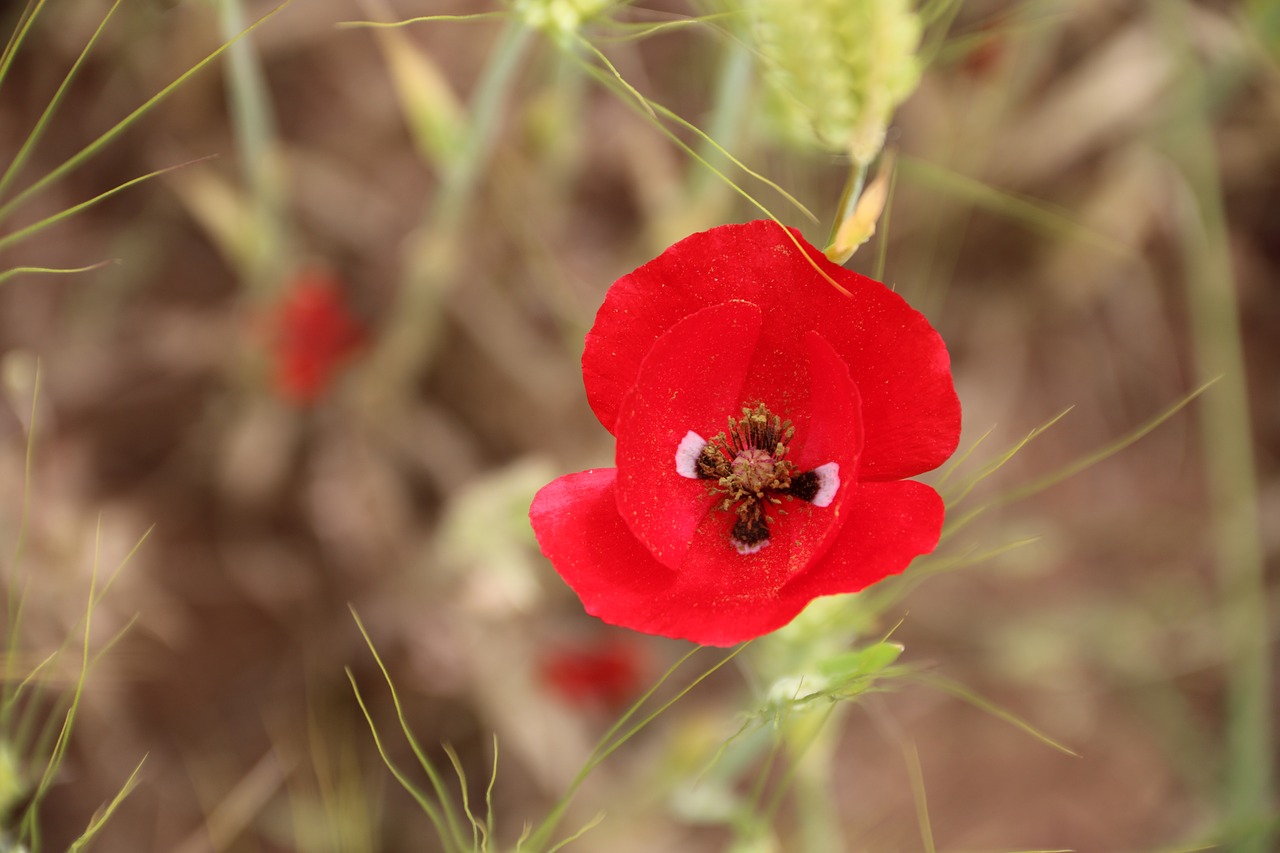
75, 160
445, 817
611, 79
15, 599
18, 36
612, 740
1032, 213
1071, 469
849, 196
30, 827
42, 123
731, 104
255, 140
427, 19
1227, 442
23, 233
963, 693
5, 275
104, 814
488, 109
915, 772
434, 259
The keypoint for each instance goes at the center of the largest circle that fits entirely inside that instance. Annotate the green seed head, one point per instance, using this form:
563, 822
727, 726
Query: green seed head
836, 69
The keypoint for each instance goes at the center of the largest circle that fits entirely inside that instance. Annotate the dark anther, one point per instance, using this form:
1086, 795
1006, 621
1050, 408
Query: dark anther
711, 464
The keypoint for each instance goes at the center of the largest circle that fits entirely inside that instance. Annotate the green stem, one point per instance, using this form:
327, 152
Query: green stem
20, 159
435, 261
1228, 453
615, 738
74, 161
732, 100
25, 21
487, 110
251, 118
848, 197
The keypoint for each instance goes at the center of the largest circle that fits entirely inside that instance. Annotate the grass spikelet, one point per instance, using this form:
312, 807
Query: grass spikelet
836, 70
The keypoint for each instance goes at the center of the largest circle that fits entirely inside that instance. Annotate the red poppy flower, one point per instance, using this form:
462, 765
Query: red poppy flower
315, 335
765, 421
606, 675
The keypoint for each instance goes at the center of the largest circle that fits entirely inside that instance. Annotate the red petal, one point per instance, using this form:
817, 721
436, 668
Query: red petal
911, 415
887, 525
579, 529
576, 520
692, 379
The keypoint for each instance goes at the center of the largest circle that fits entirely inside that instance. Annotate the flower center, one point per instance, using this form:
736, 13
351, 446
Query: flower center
755, 470
747, 465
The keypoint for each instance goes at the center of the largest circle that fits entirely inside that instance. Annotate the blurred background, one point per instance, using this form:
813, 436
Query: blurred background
335, 352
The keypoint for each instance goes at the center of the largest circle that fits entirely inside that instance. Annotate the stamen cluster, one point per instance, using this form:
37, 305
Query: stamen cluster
748, 465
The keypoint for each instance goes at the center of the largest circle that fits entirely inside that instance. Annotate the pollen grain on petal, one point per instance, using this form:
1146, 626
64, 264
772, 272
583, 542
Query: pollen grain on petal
828, 482
687, 454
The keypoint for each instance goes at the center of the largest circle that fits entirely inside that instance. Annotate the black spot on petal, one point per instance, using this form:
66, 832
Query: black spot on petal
750, 532
805, 486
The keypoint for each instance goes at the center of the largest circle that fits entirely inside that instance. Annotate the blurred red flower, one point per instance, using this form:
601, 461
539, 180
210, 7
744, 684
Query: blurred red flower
606, 675
314, 336
719, 532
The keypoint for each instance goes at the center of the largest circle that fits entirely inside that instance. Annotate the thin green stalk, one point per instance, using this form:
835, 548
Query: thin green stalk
428, 808
960, 691
23, 233
488, 107
104, 814
19, 35
1029, 212
608, 76
812, 750
916, 773
20, 159
435, 259
13, 599
611, 741
1068, 470
446, 808
730, 104
5, 275
251, 119
426, 19
848, 198
30, 826
75, 160
882, 250
1227, 443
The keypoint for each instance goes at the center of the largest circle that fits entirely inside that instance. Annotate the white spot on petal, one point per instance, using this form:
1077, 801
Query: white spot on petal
744, 548
687, 454
828, 481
